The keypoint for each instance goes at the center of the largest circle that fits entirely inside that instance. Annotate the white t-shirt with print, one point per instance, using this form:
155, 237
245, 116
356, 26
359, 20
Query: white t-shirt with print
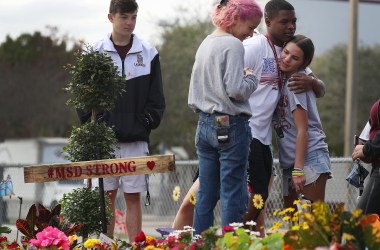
259, 57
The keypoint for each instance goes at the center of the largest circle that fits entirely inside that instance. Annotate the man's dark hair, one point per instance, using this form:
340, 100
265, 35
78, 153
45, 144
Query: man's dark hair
274, 6
123, 6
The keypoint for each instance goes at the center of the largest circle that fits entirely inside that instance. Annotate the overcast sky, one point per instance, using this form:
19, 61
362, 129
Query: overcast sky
325, 21
86, 19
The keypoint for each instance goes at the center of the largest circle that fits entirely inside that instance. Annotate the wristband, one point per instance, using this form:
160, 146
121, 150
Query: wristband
296, 172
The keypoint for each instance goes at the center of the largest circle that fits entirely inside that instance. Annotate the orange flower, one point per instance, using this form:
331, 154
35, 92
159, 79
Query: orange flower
287, 247
376, 225
150, 240
369, 219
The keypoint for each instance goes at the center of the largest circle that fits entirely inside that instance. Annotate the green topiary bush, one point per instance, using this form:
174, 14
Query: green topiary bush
95, 82
91, 141
81, 206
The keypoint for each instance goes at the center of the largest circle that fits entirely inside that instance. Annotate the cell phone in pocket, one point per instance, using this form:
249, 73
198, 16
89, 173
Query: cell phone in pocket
223, 135
223, 127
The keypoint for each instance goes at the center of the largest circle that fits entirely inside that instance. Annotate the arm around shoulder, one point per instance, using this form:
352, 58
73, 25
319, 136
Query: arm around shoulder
318, 86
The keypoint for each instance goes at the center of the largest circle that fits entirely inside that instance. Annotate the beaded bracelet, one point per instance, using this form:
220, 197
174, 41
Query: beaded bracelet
297, 172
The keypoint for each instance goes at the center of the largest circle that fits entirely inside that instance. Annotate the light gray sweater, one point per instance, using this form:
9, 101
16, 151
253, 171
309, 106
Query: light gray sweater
217, 81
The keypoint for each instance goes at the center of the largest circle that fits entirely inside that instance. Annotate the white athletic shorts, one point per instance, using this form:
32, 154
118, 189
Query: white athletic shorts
130, 183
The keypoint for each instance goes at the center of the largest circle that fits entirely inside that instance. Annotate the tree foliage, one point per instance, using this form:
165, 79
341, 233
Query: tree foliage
31, 83
177, 52
331, 68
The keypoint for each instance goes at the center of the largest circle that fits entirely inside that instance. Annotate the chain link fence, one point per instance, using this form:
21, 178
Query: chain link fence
163, 208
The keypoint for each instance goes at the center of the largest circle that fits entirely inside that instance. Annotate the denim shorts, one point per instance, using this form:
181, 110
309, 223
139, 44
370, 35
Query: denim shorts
316, 163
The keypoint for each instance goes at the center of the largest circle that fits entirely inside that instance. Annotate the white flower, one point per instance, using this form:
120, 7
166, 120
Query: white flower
236, 225
188, 228
254, 233
197, 237
251, 223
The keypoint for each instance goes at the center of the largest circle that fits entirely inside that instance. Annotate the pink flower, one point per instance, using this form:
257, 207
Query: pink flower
51, 236
227, 229
171, 241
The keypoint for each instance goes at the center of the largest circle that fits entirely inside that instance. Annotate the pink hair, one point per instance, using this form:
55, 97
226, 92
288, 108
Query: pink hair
223, 15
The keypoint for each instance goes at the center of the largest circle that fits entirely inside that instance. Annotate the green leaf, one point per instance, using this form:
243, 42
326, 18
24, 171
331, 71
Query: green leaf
228, 239
5, 230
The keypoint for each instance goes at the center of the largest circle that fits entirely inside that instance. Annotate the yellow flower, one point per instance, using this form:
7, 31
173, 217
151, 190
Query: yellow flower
150, 248
348, 236
176, 193
295, 202
193, 199
327, 228
296, 228
309, 217
356, 213
289, 210
305, 205
282, 212
286, 218
276, 225
90, 243
73, 238
276, 212
258, 201
305, 226
150, 240
295, 218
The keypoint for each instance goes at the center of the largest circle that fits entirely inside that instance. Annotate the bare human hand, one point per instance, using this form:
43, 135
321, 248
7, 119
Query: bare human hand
299, 182
358, 152
248, 71
299, 83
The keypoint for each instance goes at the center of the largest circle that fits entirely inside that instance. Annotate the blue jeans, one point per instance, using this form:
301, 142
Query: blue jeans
222, 171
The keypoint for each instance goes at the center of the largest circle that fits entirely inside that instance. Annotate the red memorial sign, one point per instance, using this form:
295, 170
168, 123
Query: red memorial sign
99, 168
